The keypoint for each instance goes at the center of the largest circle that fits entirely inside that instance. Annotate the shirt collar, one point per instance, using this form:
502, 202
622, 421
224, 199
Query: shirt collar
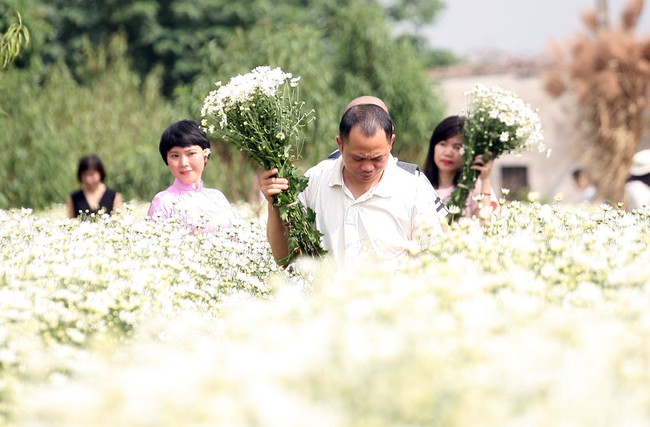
187, 187
384, 187
337, 172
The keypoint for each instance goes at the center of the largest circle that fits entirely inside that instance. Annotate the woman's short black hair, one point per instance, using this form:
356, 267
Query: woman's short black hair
447, 128
90, 162
184, 133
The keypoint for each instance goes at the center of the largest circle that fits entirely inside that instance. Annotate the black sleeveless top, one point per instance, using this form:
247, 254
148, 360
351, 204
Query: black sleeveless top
80, 204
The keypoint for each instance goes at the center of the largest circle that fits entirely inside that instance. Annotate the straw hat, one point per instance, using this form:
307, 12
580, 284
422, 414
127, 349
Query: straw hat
640, 163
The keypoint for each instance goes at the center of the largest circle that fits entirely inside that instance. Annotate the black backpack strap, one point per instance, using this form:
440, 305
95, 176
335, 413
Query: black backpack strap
409, 167
334, 154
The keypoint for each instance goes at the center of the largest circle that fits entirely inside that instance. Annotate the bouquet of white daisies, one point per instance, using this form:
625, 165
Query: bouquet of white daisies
260, 113
498, 122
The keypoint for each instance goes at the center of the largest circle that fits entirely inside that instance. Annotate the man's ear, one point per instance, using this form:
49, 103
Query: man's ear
392, 139
339, 141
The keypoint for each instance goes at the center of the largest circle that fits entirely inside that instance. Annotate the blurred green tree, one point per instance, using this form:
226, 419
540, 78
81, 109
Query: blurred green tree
341, 48
174, 34
53, 120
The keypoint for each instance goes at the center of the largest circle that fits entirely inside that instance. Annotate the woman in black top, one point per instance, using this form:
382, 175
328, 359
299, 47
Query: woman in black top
94, 194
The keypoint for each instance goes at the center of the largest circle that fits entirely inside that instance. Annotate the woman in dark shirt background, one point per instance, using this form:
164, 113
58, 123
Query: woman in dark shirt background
94, 194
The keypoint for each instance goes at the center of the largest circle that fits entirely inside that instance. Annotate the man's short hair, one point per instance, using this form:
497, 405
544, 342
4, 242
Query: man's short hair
369, 117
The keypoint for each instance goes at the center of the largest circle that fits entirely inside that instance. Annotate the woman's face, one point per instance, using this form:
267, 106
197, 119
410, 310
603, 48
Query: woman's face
447, 156
90, 179
186, 163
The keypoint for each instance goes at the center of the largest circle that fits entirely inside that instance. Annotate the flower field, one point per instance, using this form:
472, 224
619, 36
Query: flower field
539, 319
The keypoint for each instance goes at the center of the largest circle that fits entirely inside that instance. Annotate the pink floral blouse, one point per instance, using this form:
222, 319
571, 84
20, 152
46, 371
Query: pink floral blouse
198, 207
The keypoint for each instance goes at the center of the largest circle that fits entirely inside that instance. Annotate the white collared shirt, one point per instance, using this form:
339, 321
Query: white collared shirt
383, 224
637, 195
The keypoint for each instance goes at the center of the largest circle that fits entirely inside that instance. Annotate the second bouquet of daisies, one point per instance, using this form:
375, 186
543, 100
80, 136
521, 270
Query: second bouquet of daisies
260, 113
498, 122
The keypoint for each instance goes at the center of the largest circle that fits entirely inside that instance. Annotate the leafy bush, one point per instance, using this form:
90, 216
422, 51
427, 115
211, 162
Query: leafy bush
50, 121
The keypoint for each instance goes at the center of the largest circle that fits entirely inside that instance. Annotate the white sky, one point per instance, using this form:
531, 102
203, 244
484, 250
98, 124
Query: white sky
517, 27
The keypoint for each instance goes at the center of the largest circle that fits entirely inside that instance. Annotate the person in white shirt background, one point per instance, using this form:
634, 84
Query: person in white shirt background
583, 183
637, 187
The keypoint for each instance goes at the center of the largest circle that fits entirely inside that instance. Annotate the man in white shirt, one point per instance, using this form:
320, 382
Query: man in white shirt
366, 206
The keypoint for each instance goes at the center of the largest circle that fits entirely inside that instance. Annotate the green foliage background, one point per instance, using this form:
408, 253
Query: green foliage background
108, 77
50, 121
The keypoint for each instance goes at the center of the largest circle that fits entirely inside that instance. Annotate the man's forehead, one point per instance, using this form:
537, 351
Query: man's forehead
363, 142
375, 154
